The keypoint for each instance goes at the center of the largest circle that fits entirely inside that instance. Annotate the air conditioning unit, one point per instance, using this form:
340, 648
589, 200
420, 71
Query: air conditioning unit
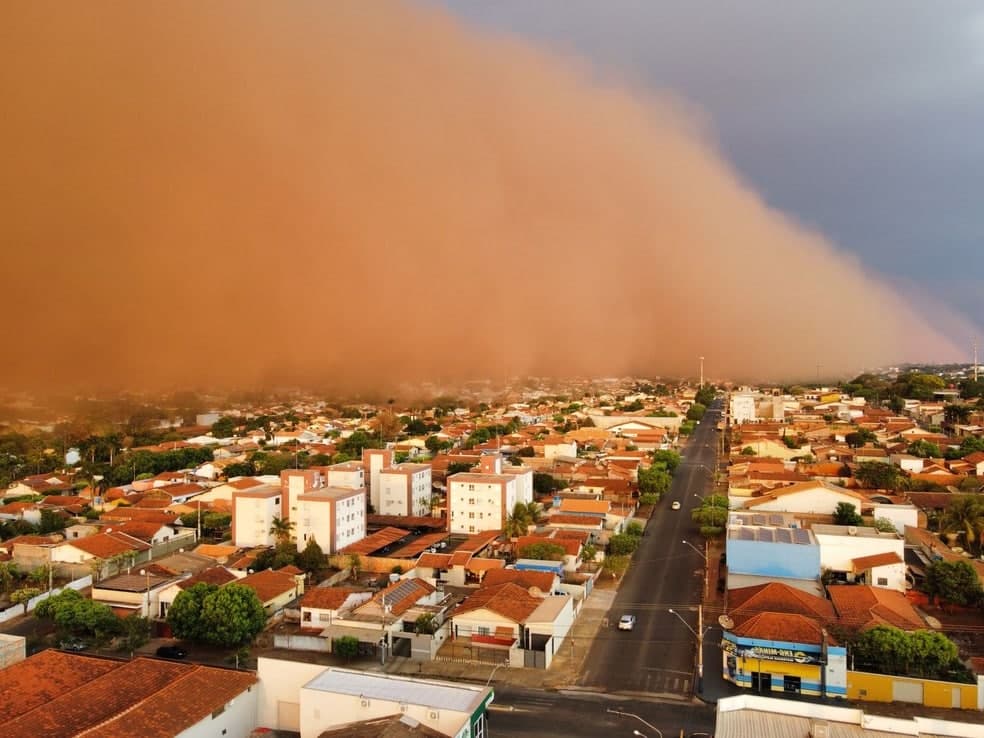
364, 702
819, 729
434, 715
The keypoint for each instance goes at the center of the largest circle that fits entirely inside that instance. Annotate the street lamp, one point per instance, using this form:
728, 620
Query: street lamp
633, 715
699, 635
702, 554
636, 732
497, 667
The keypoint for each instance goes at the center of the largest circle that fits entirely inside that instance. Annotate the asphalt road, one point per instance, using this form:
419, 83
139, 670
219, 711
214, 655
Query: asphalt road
659, 654
535, 714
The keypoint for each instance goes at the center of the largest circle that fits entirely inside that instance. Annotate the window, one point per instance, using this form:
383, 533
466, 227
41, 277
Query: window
306, 617
882, 581
471, 516
483, 630
471, 501
276, 501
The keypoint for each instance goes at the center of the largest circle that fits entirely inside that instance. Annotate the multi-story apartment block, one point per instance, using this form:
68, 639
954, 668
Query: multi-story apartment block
480, 501
253, 514
334, 517
374, 460
404, 489
350, 475
293, 484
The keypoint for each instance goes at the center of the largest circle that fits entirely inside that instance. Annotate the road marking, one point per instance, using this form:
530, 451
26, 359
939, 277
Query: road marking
670, 671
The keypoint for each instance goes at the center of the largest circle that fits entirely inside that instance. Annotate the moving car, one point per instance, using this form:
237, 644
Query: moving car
675, 506
627, 622
171, 652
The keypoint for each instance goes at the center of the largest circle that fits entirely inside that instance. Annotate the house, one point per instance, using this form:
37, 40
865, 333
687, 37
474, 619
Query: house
321, 605
805, 498
862, 554
275, 588
384, 617
404, 489
314, 701
976, 460
58, 693
39, 484
861, 607
106, 551
571, 547
767, 547
334, 517
133, 593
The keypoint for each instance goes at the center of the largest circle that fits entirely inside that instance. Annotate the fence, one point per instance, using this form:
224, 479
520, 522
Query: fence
25, 607
928, 692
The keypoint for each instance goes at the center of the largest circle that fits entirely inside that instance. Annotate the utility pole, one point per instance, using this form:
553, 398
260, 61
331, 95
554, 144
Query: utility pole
700, 641
975, 361
701, 385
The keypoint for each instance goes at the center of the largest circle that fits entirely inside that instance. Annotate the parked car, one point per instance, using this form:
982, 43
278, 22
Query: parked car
171, 652
675, 506
73, 644
627, 622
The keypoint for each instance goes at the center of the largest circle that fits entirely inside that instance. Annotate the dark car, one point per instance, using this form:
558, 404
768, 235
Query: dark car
171, 652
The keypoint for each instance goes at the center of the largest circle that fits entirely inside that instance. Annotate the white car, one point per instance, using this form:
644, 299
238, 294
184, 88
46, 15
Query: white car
627, 622
675, 506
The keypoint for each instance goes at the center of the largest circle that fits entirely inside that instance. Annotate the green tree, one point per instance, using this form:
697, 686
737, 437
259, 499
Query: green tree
616, 565
884, 525
588, 552
654, 479
282, 530
748, 451
545, 551
76, 615
232, 616
878, 475
696, 411
435, 444
711, 515
669, 459
51, 522
847, 514
546, 484
185, 613
459, 467
622, 544
953, 582
312, 558
425, 624
858, 438
224, 427
635, 528
346, 646
965, 516
923, 449
239, 469
8, 574
932, 653
884, 649
136, 632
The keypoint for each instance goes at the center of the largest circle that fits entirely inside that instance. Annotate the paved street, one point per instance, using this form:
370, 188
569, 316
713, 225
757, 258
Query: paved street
533, 713
658, 656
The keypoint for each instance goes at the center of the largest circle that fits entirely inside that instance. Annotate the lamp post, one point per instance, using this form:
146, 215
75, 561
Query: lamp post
497, 667
702, 554
699, 635
633, 715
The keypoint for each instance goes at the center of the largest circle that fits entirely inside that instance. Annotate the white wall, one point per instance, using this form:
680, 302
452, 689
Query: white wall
322, 711
900, 515
819, 501
837, 552
280, 681
254, 516
350, 520
237, 721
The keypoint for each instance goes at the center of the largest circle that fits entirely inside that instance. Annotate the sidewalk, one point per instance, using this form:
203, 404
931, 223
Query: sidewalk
564, 670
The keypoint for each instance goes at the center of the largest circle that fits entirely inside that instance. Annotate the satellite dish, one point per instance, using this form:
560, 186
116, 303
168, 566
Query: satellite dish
933, 622
726, 622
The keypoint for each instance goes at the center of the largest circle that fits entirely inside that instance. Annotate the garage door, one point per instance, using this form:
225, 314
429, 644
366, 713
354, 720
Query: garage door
288, 715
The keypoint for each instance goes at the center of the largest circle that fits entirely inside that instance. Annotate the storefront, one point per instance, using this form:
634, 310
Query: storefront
777, 666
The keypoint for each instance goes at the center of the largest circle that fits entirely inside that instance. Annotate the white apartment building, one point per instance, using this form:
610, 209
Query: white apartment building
335, 517
404, 489
350, 475
252, 516
374, 460
742, 408
293, 484
480, 502
524, 482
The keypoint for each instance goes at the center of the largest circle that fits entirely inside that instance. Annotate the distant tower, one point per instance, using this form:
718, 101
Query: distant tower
701, 371
975, 361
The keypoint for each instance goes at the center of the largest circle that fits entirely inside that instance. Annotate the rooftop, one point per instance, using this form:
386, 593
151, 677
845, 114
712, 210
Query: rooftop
439, 695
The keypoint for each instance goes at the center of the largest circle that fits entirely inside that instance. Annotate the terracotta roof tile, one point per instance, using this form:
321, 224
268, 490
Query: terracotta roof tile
508, 600
746, 602
861, 606
269, 584
784, 627
327, 598
542, 580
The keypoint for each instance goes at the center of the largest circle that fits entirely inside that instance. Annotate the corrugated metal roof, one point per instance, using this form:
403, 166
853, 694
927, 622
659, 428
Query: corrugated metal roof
439, 695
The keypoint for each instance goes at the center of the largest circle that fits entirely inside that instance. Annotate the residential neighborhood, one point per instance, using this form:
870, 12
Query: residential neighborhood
831, 532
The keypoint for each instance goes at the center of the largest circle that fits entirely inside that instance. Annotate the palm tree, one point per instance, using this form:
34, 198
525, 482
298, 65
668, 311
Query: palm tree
282, 529
518, 521
965, 515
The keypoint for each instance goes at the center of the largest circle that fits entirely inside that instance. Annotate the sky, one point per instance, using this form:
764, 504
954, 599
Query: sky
360, 195
862, 120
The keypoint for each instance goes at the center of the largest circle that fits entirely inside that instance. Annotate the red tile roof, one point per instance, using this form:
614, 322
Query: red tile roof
507, 600
269, 584
745, 602
862, 606
60, 694
107, 545
327, 598
542, 580
863, 563
779, 626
